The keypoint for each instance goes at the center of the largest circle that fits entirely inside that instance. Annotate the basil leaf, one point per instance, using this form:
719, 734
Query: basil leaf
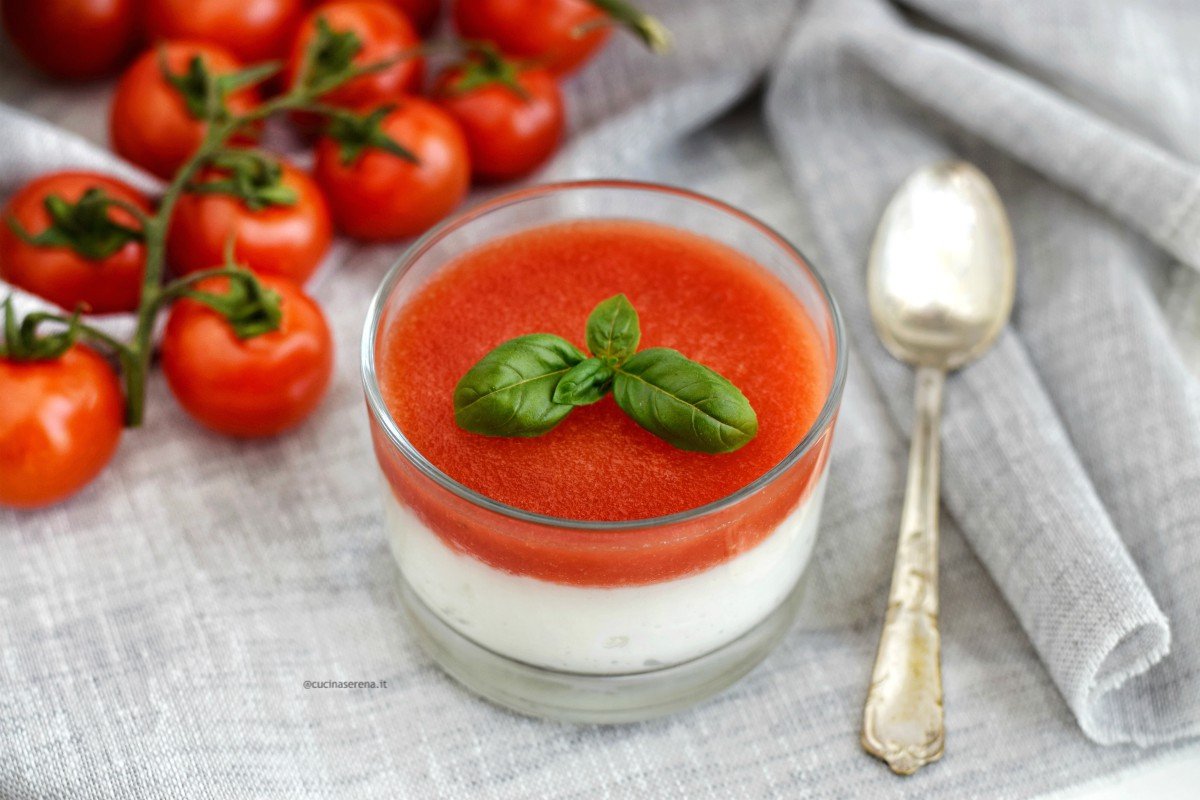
584, 383
687, 404
613, 332
510, 391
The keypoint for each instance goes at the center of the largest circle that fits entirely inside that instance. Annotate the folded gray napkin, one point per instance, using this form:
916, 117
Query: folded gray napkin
1072, 452
158, 627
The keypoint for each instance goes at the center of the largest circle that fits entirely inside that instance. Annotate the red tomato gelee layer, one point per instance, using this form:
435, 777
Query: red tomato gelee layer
692, 294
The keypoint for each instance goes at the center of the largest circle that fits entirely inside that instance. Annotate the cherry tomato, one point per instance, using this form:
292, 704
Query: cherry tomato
422, 13
286, 240
60, 273
248, 387
252, 30
508, 135
383, 33
379, 195
60, 424
73, 39
150, 123
536, 29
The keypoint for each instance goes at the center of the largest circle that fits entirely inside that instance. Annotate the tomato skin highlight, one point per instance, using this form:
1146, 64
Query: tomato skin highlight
507, 135
380, 196
288, 241
384, 33
149, 123
252, 30
72, 39
254, 387
60, 424
534, 29
59, 274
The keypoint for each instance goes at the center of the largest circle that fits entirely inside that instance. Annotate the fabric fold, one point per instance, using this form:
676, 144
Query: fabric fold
1151, 189
627, 105
1036, 468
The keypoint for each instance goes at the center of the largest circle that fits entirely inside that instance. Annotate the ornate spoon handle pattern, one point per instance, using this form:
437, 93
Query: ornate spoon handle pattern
903, 721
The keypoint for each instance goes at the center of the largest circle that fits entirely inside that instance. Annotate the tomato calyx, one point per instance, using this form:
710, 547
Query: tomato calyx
84, 226
250, 308
485, 66
330, 54
645, 27
252, 177
21, 342
329, 60
357, 132
204, 93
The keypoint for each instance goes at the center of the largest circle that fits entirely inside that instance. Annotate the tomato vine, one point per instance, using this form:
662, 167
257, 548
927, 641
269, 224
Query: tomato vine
249, 307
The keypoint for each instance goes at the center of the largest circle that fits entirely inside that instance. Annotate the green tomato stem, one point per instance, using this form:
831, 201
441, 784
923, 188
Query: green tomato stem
123, 352
156, 245
180, 287
652, 32
87, 331
135, 357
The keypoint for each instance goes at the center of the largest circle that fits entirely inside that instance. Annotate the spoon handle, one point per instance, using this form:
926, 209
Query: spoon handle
902, 721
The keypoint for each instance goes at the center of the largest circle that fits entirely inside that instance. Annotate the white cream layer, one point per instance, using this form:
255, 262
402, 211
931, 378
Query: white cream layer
603, 630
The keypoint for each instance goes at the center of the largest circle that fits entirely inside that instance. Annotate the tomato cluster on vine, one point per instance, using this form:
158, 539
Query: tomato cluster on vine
227, 247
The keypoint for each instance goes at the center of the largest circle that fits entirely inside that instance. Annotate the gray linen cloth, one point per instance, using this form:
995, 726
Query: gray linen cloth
157, 628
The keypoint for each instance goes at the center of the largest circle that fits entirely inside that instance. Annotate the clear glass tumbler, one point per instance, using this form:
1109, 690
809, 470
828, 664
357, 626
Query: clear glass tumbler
602, 651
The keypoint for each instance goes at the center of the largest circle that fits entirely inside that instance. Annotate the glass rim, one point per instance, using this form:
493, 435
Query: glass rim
418, 248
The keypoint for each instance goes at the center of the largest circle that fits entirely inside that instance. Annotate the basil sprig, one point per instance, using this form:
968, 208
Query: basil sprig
528, 385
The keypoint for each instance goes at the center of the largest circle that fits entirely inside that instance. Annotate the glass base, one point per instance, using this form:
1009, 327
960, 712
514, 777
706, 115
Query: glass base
574, 697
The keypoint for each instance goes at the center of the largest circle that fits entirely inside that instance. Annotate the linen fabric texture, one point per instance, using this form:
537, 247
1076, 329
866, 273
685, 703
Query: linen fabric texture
157, 628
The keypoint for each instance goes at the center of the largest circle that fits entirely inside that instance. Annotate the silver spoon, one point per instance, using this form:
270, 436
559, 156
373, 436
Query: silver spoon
940, 284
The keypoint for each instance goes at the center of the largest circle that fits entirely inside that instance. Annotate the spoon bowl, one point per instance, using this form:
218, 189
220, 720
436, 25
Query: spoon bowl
941, 275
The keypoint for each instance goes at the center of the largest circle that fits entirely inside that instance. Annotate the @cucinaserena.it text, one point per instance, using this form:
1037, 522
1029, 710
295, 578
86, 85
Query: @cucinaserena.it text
346, 684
